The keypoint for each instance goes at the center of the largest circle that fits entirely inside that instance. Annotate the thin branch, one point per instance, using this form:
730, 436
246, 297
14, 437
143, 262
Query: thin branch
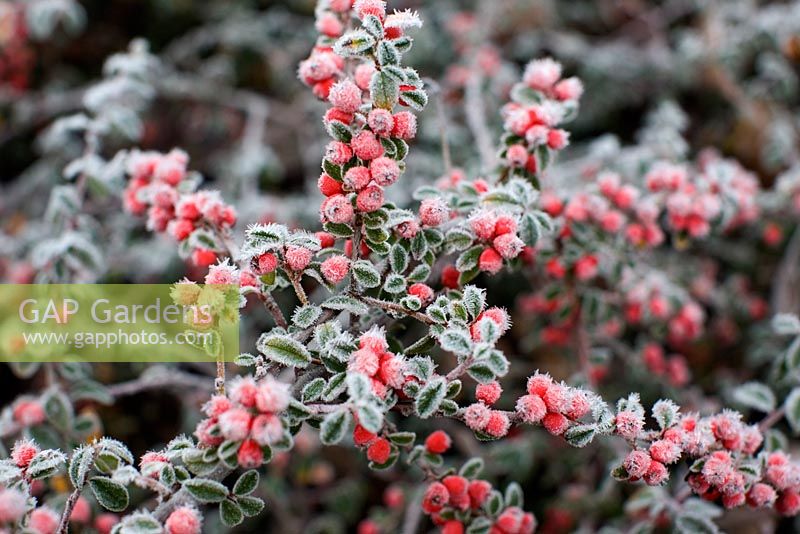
394, 307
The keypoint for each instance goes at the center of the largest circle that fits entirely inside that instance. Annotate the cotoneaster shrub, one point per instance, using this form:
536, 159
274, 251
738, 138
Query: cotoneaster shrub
412, 323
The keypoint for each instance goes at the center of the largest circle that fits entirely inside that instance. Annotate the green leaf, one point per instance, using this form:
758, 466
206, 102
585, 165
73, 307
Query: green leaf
251, 506
45, 463
513, 495
416, 99
430, 397
481, 372
580, 435
468, 260
79, 465
230, 514
335, 387
346, 303
305, 316
692, 524
474, 299
246, 483
394, 284
792, 407
354, 44
366, 274
398, 258
755, 395
313, 390
58, 409
403, 439
457, 341
283, 350
205, 490
387, 54
370, 417
471, 468
334, 427
384, 90
110, 494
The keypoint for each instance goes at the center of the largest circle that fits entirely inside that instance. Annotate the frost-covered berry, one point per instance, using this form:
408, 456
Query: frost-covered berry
542, 74
346, 96
381, 122
364, 361
266, 429
362, 436
329, 25
379, 451
509, 246
28, 412
450, 277
370, 199
505, 224
203, 257
235, 424
366, 146
422, 291
13, 504
385, 171
665, 451
363, 75
531, 408
656, 474
370, 7
405, 125
407, 229
629, 424
788, 503
338, 152
23, 452
43, 520
476, 416
637, 463
517, 155
435, 498
272, 396
357, 178
184, 520
555, 423
568, 89
586, 267
267, 263
498, 424
488, 393
82, 511
328, 186
335, 268
761, 495
433, 212
250, 455
717, 468
340, 6
557, 139
478, 491
337, 209
297, 258
490, 261
483, 224
180, 229
438, 442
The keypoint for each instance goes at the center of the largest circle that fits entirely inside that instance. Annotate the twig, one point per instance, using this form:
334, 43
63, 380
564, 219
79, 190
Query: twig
394, 307
171, 379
